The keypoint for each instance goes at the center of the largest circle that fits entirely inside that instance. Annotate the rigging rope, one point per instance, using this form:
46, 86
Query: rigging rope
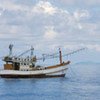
55, 55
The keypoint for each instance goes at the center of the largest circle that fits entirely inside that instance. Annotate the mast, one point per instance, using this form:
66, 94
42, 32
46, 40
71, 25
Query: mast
60, 56
10, 49
32, 57
32, 51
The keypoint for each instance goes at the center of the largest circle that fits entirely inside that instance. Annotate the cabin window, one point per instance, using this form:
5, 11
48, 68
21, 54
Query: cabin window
28, 59
15, 58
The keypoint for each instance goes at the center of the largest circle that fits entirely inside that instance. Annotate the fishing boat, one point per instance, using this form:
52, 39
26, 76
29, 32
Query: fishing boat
25, 67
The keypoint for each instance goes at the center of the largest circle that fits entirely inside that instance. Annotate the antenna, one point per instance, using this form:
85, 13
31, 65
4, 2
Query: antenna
32, 49
10, 49
43, 57
60, 56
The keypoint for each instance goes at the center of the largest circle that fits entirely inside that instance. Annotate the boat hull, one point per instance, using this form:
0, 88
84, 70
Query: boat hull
51, 71
32, 76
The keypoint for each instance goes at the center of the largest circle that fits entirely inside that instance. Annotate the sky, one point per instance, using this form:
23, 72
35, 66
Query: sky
49, 24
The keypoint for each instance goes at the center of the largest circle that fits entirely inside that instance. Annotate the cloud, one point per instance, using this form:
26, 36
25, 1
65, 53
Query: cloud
10, 5
44, 7
83, 2
1, 11
79, 14
46, 24
90, 46
93, 47
50, 33
92, 2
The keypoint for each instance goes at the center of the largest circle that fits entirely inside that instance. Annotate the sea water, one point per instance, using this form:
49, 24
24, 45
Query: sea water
82, 82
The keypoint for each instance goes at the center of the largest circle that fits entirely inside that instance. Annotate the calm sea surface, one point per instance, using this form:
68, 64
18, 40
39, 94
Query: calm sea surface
82, 82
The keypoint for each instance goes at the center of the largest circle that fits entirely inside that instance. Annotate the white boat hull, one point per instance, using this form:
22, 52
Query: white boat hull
52, 72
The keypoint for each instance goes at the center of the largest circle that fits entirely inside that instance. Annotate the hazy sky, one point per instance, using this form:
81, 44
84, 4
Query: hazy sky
50, 24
